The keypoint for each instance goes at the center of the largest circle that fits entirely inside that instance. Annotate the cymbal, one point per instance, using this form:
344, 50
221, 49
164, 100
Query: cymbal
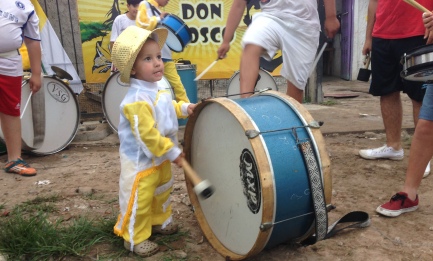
62, 74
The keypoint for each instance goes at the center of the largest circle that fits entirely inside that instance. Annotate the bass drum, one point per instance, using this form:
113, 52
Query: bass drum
265, 80
112, 95
262, 191
51, 119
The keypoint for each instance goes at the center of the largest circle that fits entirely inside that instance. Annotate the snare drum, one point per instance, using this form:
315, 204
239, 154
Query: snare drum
418, 64
262, 195
264, 81
179, 34
112, 95
58, 118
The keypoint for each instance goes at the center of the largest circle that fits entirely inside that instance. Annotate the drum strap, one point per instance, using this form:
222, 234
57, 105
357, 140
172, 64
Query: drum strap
359, 219
155, 10
38, 113
320, 212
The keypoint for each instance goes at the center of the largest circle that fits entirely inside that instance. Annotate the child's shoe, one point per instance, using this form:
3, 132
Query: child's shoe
20, 167
168, 230
144, 249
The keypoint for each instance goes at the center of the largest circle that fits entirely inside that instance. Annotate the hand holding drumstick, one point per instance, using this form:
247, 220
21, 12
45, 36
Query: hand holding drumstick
427, 19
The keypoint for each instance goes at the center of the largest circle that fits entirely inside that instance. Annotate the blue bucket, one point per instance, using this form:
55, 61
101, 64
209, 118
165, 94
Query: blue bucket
187, 73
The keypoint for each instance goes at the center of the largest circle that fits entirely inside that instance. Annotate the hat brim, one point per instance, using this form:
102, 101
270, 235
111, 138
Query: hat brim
128, 45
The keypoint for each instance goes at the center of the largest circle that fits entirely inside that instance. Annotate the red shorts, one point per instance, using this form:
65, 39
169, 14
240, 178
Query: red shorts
10, 95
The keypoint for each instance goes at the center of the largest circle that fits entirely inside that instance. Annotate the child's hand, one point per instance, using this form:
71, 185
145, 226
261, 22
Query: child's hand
191, 108
178, 160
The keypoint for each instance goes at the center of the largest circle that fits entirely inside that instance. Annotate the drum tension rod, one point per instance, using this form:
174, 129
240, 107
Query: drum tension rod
268, 225
251, 134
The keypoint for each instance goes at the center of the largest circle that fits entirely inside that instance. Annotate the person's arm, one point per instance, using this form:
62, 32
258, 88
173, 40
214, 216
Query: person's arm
235, 16
371, 19
144, 19
35, 57
331, 22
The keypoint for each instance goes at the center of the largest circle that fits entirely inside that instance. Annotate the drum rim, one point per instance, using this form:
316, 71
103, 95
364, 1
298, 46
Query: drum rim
407, 72
188, 30
238, 72
268, 209
74, 97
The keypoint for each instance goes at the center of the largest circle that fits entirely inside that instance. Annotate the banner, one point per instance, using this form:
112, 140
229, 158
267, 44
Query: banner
52, 51
206, 19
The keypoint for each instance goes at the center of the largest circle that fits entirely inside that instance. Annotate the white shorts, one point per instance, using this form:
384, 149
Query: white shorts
297, 43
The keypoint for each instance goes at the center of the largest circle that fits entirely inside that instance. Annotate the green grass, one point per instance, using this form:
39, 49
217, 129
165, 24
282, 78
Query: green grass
35, 230
34, 237
330, 102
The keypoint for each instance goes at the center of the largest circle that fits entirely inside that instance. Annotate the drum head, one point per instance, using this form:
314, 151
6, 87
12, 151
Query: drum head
112, 95
265, 80
59, 118
418, 64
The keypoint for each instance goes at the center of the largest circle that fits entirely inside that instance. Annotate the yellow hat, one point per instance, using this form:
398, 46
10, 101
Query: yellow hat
128, 44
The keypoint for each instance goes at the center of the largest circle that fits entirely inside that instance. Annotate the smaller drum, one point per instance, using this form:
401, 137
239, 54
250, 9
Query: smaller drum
59, 118
187, 73
179, 34
265, 80
112, 95
418, 64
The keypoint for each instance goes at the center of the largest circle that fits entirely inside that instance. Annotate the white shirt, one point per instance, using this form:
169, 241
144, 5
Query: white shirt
120, 23
303, 12
18, 19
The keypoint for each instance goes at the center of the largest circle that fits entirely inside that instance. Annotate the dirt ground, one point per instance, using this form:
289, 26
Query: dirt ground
357, 184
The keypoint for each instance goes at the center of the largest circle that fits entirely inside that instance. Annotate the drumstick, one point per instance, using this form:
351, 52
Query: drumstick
202, 188
205, 70
317, 58
27, 103
417, 5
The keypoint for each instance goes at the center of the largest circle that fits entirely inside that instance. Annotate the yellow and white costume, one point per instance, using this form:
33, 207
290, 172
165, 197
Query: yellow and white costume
148, 143
148, 18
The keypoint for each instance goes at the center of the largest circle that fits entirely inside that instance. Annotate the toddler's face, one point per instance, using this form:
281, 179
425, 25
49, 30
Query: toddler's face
149, 66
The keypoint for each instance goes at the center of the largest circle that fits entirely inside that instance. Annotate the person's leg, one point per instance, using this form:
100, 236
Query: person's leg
295, 92
170, 72
421, 152
11, 128
416, 106
249, 70
392, 115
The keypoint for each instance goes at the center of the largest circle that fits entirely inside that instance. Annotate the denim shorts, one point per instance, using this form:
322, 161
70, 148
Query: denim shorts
426, 111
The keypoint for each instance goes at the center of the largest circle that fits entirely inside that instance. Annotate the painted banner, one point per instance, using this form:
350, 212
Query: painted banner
206, 20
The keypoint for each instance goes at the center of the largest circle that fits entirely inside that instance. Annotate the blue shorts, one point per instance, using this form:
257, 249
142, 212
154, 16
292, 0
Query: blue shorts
426, 111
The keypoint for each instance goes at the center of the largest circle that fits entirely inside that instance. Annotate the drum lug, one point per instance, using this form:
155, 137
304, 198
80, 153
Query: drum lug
266, 226
315, 124
330, 207
251, 134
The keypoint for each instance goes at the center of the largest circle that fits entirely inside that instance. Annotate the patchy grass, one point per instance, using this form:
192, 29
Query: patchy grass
330, 102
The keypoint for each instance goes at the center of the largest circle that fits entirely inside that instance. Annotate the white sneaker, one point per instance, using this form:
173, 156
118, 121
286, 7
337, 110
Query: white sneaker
383, 152
427, 170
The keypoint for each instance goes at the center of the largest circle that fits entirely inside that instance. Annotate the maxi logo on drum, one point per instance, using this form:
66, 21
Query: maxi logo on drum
58, 92
250, 180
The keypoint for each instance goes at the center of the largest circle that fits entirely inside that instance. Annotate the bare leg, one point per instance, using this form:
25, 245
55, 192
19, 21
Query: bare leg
294, 92
392, 114
250, 63
421, 152
416, 106
11, 127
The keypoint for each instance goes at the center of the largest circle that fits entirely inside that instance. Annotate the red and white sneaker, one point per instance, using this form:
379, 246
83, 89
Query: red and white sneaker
398, 205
